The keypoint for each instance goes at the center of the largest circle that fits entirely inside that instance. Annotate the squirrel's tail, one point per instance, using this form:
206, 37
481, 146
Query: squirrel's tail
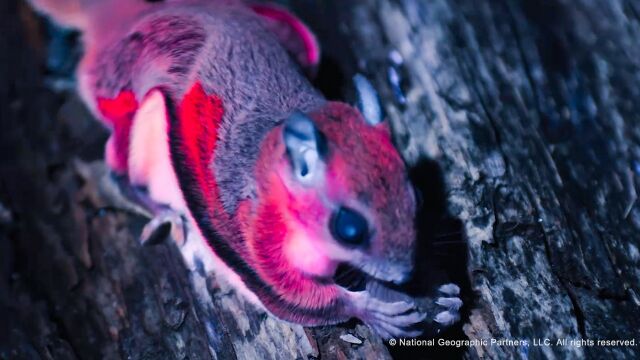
68, 13
79, 14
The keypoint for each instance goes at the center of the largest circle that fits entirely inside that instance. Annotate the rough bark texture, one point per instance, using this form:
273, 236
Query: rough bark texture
528, 111
531, 110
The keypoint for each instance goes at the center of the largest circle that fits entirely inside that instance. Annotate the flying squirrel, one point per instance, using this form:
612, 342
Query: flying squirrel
212, 116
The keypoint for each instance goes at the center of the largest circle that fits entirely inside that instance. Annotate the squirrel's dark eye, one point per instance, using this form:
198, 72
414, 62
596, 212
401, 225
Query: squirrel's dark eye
349, 227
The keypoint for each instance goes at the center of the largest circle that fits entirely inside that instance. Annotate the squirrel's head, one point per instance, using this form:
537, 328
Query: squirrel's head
342, 192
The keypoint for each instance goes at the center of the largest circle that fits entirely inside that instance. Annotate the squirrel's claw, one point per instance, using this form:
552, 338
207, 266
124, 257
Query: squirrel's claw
387, 319
451, 304
164, 220
166, 223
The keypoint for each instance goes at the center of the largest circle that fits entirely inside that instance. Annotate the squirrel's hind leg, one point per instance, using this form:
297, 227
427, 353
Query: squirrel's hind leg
164, 220
141, 164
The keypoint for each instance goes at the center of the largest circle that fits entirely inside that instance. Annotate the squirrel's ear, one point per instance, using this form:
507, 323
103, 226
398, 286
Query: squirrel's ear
293, 34
306, 147
367, 100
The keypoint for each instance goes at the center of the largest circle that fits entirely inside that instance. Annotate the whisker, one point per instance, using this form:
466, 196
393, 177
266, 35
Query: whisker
344, 274
345, 269
452, 242
443, 253
349, 277
441, 235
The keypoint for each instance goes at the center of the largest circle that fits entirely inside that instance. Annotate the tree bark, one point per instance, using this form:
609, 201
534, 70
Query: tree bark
519, 119
530, 109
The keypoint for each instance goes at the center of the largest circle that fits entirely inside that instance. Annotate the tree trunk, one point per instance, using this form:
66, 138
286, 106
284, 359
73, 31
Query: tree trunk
520, 120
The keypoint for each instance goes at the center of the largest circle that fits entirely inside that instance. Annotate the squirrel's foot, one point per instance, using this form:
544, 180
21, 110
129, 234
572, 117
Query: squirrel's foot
450, 304
387, 319
166, 222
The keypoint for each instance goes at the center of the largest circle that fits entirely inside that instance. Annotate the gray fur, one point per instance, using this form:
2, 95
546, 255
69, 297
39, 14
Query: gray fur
234, 57
259, 90
158, 51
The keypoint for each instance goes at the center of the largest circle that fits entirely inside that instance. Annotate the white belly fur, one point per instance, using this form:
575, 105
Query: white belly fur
150, 165
149, 157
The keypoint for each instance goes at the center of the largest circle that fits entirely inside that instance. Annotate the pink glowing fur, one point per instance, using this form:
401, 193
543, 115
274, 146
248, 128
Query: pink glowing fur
149, 158
310, 56
198, 94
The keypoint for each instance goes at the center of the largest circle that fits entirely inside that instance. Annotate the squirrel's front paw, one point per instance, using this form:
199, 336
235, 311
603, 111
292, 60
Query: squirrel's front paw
387, 319
450, 303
